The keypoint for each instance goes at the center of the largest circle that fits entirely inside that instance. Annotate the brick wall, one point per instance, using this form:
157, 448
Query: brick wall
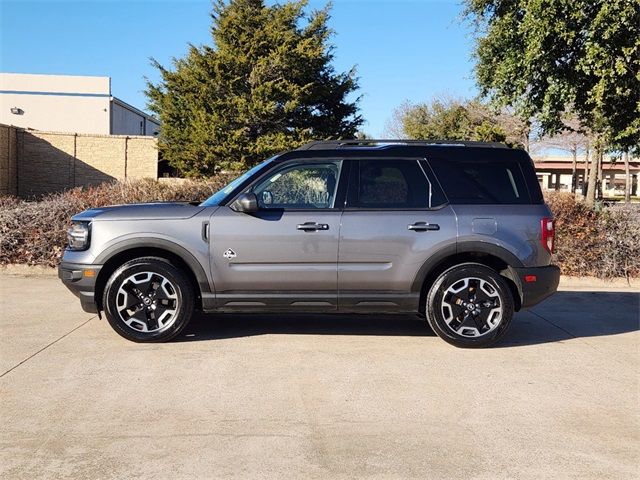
46, 162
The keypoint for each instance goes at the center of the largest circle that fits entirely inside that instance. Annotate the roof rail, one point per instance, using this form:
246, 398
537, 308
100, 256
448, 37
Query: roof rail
334, 144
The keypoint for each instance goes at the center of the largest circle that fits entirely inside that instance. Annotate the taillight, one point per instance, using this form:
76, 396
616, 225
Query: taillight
548, 228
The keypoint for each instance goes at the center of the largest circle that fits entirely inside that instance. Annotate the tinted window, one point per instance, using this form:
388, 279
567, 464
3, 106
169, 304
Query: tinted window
300, 186
390, 184
481, 182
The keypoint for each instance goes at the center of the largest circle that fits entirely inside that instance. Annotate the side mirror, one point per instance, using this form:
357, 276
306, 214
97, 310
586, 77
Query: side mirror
245, 203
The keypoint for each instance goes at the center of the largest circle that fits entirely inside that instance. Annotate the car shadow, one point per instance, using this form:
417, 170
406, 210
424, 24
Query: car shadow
232, 325
564, 316
575, 314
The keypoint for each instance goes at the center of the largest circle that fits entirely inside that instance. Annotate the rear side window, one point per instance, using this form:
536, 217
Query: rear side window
390, 184
481, 182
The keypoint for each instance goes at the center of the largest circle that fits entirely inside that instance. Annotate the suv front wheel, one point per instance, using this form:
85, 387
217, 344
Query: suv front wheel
148, 300
470, 305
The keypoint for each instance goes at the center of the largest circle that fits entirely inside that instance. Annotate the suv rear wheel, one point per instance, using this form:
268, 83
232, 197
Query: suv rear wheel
470, 305
148, 300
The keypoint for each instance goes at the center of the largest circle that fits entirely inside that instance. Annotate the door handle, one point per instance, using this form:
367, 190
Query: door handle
205, 231
312, 226
423, 226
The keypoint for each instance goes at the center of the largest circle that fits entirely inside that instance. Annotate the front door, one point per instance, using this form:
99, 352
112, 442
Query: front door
285, 255
395, 219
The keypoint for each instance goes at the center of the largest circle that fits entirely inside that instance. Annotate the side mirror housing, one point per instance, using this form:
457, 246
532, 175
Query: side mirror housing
245, 203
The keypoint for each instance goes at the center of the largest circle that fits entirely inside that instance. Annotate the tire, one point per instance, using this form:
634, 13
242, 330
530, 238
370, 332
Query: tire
148, 299
470, 306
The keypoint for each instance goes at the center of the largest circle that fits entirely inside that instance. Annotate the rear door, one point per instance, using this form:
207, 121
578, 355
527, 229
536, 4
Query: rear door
285, 255
396, 216
497, 201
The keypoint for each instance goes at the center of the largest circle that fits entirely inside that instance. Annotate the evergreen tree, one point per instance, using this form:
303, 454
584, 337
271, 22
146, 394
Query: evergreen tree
266, 84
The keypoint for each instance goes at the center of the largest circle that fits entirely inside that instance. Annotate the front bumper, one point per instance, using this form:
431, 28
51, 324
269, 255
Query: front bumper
536, 283
81, 280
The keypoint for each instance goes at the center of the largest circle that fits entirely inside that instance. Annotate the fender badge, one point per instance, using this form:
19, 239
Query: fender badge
229, 254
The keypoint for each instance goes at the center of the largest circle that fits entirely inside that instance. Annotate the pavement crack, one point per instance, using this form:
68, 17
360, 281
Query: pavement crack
554, 324
571, 335
578, 338
47, 346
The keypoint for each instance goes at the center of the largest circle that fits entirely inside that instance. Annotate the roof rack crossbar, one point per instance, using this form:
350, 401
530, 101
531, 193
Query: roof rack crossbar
333, 144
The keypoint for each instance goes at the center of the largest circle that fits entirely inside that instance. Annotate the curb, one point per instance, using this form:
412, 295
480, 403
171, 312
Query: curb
594, 282
23, 270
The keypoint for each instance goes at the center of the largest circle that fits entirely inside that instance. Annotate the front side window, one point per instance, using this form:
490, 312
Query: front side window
300, 186
391, 184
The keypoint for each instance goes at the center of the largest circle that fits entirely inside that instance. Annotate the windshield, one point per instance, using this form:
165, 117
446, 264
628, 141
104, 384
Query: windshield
218, 197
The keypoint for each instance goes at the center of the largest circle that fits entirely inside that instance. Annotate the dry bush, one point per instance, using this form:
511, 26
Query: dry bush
577, 235
621, 242
34, 232
602, 243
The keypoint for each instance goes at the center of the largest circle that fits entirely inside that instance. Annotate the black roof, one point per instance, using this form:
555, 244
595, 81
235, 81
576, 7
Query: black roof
405, 149
371, 143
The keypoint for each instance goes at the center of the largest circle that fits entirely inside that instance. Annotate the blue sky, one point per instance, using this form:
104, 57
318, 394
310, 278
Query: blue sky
403, 50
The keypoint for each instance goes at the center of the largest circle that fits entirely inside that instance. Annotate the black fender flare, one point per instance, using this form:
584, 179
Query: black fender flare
172, 247
462, 247
490, 249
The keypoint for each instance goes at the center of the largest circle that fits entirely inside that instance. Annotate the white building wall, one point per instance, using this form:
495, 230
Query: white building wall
69, 104
60, 103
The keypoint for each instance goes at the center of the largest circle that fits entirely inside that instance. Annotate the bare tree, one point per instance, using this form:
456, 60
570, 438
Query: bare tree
518, 131
394, 127
573, 140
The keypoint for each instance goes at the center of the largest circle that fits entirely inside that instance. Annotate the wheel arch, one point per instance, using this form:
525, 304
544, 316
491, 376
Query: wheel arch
488, 254
112, 258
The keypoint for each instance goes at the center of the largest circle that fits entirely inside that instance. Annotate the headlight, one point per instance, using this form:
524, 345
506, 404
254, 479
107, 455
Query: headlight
78, 236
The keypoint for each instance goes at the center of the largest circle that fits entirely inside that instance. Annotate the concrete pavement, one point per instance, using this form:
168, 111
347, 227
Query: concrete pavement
267, 396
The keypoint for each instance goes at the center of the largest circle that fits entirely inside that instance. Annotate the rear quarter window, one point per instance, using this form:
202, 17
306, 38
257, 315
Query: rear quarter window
481, 182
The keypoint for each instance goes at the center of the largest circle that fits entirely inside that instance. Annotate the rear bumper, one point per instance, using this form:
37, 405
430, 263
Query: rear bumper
536, 283
81, 280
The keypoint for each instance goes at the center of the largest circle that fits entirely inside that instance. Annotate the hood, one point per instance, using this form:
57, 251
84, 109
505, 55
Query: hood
141, 211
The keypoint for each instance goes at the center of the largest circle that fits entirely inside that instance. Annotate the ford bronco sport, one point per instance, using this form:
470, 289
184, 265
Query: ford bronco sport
457, 232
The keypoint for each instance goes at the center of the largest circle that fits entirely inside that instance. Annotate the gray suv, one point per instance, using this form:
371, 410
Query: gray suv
456, 232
